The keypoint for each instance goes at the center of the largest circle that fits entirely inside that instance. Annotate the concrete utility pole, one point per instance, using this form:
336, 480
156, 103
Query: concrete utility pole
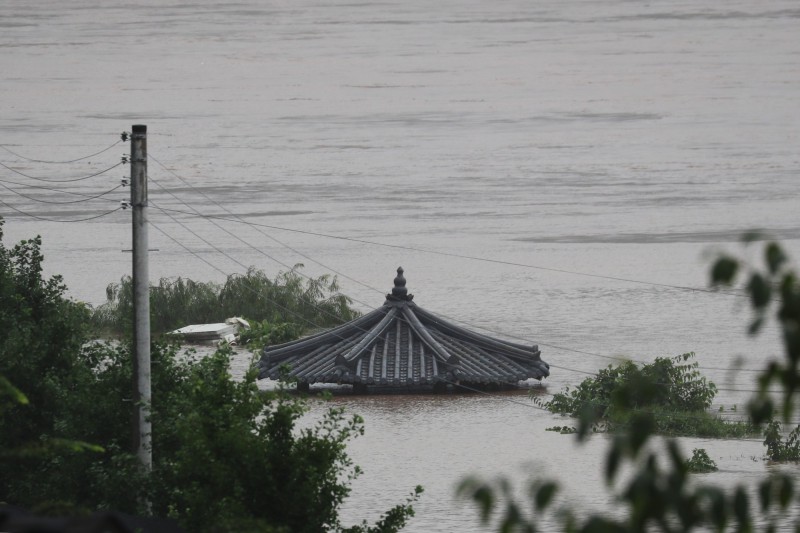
141, 299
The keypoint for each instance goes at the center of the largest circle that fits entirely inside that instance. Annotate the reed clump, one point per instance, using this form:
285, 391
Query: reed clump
288, 298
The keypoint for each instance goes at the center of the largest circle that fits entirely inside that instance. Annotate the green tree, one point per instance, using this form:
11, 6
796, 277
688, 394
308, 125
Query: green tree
41, 334
227, 456
658, 495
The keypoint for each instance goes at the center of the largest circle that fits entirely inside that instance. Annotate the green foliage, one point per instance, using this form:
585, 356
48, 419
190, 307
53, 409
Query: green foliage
774, 288
656, 493
41, 335
667, 382
393, 520
227, 450
777, 448
700, 462
564, 430
265, 333
289, 298
672, 390
7, 390
226, 455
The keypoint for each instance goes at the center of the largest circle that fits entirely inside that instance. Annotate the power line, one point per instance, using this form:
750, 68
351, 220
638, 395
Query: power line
480, 327
240, 239
227, 275
251, 246
459, 385
311, 323
281, 243
470, 257
58, 220
568, 369
34, 199
176, 241
232, 234
370, 307
243, 266
256, 226
199, 237
308, 321
678, 415
122, 139
67, 180
584, 352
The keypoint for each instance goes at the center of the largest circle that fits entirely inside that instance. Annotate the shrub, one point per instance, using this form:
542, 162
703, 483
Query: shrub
671, 389
700, 462
777, 448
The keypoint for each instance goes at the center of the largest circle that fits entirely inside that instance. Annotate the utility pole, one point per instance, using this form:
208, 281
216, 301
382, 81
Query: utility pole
141, 299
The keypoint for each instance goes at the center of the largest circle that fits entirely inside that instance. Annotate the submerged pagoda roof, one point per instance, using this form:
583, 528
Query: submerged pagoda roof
402, 346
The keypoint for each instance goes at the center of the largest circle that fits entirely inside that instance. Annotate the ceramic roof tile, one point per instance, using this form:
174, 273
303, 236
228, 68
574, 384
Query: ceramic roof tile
401, 345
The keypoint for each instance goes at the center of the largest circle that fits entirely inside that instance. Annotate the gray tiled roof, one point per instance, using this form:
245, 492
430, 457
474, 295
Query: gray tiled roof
401, 345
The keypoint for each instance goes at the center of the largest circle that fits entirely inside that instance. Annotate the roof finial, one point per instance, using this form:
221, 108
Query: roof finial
399, 291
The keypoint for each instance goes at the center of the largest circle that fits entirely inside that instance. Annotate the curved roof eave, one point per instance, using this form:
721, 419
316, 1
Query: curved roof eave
401, 344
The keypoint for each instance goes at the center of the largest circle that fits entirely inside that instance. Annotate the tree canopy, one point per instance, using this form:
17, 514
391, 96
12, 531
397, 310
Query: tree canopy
226, 455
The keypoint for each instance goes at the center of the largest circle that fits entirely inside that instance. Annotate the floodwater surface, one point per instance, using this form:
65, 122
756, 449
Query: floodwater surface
554, 173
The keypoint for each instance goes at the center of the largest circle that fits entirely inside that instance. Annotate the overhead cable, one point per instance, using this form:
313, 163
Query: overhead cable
472, 258
227, 275
245, 267
7, 149
44, 219
84, 198
279, 242
256, 226
485, 329
314, 325
65, 180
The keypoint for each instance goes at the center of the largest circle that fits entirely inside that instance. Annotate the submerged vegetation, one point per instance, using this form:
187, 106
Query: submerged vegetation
700, 462
290, 298
778, 449
672, 390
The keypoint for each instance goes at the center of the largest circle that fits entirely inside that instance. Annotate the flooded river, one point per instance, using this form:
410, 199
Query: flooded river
559, 173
